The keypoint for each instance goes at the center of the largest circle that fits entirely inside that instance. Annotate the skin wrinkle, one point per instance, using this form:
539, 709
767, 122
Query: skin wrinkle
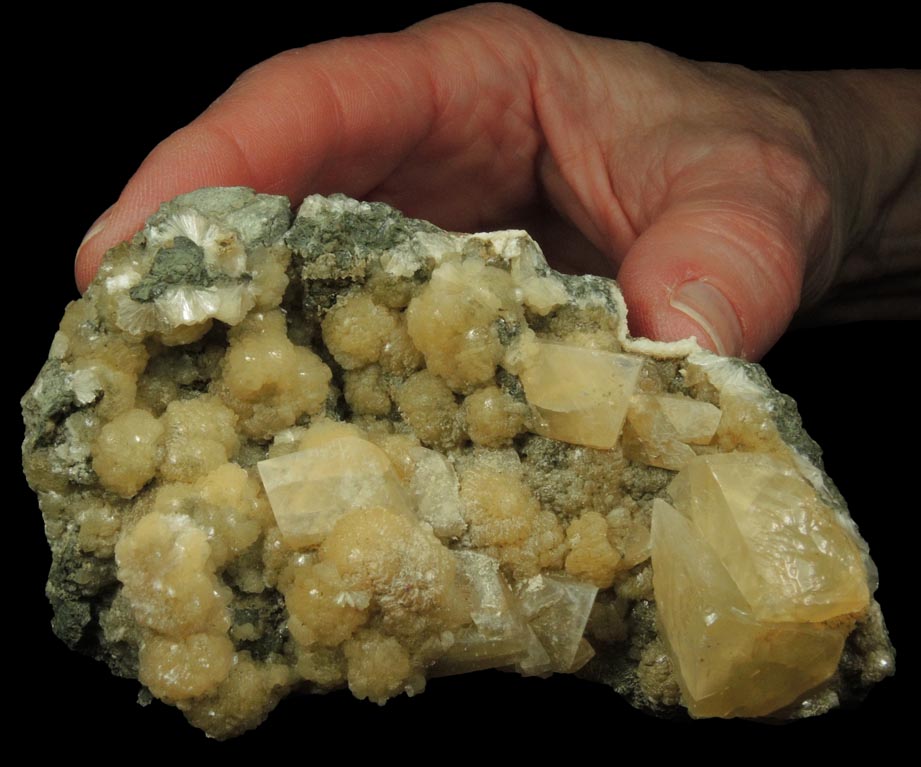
596, 165
345, 103
555, 184
820, 273
231, 140
577, 204
341, 108
765, 273
619, 227
462, 55
335, 117
492, 116
572, 245
440, 107
813, 202
642, 203
523, 116
257, 83
755, 228
724, 216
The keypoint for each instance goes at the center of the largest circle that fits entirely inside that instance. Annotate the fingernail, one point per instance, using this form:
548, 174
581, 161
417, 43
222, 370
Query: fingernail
710, 309
97, 228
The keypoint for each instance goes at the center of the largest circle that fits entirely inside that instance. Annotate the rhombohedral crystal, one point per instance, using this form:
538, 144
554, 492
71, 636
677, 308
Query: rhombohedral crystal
355, 450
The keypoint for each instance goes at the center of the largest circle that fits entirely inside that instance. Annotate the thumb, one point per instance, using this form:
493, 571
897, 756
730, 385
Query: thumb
724, 261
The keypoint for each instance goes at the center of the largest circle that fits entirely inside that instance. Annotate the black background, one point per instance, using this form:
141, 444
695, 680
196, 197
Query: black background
92, 98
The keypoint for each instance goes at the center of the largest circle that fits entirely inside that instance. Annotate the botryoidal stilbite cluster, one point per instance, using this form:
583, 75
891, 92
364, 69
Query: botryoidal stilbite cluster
355, 450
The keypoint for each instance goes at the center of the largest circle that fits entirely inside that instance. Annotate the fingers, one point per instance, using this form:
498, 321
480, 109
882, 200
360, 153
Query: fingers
277, 130
427, 119
725, 260
458, 119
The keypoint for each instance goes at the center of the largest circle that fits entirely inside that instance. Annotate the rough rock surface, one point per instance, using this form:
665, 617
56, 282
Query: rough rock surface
353, 449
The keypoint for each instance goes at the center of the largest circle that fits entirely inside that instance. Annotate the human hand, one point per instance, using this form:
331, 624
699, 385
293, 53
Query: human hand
718, 192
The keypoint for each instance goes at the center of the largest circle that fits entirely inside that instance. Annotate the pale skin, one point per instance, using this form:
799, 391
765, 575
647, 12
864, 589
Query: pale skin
723, 199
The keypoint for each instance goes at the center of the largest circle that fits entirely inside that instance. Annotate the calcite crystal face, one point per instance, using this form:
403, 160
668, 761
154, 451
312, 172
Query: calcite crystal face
282, 453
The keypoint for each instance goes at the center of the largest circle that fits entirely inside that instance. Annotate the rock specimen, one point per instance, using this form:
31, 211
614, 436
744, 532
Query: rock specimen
354, 449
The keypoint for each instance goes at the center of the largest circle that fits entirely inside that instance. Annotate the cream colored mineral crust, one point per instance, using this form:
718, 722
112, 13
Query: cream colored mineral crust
355, 450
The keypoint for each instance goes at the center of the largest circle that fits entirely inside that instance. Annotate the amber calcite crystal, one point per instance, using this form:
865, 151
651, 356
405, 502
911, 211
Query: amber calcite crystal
345, 448
758, 583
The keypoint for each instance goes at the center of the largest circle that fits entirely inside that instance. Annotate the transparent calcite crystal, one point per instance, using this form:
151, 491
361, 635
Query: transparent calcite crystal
662, 428
348, 449
581, 395
311, 488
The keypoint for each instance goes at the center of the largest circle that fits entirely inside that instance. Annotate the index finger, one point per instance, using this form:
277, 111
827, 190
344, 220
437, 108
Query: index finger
346, 115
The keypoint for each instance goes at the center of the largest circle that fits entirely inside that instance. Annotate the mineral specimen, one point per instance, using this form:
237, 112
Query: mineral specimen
356, 450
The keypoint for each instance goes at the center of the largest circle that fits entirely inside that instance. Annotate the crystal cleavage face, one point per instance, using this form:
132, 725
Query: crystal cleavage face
355, 450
